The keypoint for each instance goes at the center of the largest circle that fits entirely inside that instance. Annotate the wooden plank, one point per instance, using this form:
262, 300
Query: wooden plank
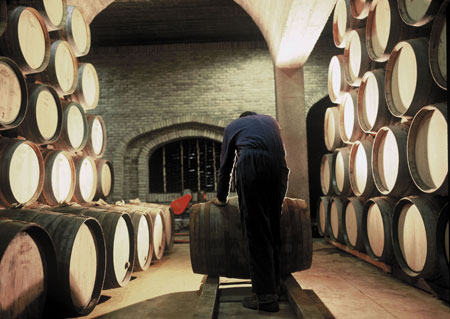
362, 256
303, 306
206, 305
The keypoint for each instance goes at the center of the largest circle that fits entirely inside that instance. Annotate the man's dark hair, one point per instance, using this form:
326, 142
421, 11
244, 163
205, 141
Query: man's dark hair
247, 113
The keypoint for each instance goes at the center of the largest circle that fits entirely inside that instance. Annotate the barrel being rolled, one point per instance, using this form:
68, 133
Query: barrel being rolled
80, 254
360, 168
373, 112
52, 11
327, 176
419, 12
438, 48
377, 226
77, 31
26, 40
217, 245
343, 23
414, 236
337, 84
342, 185
96, 140
408, 82
27, 262
322, 215
21, 172
88, 88
349, 128
427, 149
331, 128
59, 181
389, 165
43, 121
336, 214
356, 57
74, 131
14, 94
352, 223
86, 179
105, 178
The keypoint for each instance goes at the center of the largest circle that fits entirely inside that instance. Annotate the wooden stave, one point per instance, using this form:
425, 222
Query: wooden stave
384, 116
78, 95
358, 204
63, 141
326, 202
3, 16
330, 159
356, 130
429, 15
7, 148
233, 260
370, 189
386, 205
444, 264
89, 148
107, 219
40, 7
432, 206
340, 201
77, 195
47, 195
366, 63
337, 142
412, 132
99, 190
10, 46
427, 92
9, 230
346, 188
364, 12
24, 95
53, 222
432, 49
29, 126
351, 24
404, 185
344, 86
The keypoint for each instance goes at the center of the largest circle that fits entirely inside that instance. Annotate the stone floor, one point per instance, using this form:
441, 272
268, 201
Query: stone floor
350, 289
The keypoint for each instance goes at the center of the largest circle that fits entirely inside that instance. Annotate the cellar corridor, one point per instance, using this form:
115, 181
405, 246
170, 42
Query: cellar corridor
349, 288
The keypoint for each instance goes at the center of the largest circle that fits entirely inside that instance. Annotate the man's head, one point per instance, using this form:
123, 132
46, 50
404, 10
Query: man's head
247, 113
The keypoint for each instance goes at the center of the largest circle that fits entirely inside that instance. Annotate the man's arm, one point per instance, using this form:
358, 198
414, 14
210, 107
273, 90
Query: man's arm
227, 155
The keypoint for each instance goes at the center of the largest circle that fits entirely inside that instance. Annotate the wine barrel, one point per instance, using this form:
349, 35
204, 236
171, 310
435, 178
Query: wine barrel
337, 84
105, 178
168, 219
327, 176
96, 141
86, 179
74, 131
408, 82
21, 171
356, 57
77, 31
80, 254
427, 149
373, 112
322, 215
336, 213
87, 91
119, 237
43, 121
419, 12
414, 236
52, 11
26, 40
442, 243
27, 262
159, 235
3, 16
437, 51
343, 23
349, 128
352, 223
360, 8
218, 249
389, 165
62, 71
360, 169
331, 128
59, 181
377, 226
14, 93
342, 185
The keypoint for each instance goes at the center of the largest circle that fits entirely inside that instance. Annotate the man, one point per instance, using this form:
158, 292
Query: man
261, 179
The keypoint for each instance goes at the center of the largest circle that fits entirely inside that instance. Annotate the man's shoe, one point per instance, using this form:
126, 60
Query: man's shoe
262, 302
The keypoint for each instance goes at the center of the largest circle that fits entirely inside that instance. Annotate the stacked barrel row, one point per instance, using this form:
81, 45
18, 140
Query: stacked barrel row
50, 149
385, 178
64, 256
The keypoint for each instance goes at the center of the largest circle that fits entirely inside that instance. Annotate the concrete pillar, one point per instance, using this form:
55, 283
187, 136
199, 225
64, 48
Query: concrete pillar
290, 103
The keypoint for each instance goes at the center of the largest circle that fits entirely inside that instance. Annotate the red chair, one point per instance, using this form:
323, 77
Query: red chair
180, 204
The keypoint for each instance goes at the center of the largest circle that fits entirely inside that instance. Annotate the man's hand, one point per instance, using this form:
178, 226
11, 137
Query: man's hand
219, 203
